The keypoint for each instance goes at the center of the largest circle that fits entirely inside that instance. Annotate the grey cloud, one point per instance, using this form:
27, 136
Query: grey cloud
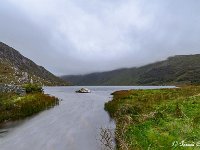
82, 36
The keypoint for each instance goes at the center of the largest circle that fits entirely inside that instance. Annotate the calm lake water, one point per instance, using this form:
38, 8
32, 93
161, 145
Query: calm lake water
73, 125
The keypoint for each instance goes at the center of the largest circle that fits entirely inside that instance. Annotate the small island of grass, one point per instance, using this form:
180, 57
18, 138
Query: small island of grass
156, 119
14, 106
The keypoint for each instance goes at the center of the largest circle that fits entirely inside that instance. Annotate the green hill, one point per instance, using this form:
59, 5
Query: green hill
17, 69
180, 69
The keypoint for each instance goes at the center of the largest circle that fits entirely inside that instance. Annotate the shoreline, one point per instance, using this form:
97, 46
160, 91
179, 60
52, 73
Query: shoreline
15, 107
144, 118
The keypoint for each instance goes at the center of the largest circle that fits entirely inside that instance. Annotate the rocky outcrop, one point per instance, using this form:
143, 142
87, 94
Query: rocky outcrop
12, 88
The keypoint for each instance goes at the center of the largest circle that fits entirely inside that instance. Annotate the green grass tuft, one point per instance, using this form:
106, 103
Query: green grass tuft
14, 107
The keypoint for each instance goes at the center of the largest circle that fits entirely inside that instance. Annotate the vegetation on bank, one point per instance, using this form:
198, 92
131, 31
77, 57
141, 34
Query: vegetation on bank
14, 107
156, 119
32, 88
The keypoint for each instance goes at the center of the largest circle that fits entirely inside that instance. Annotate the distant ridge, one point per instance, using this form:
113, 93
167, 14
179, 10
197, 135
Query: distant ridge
17, 69
180, 69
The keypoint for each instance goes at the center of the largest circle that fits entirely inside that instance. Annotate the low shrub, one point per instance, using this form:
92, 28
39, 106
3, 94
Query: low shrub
32, 88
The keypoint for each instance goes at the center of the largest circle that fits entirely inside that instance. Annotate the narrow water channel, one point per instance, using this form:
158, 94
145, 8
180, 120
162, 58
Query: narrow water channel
73, 125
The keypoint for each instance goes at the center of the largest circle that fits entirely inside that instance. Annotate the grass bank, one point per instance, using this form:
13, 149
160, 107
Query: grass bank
160, 119
14, 107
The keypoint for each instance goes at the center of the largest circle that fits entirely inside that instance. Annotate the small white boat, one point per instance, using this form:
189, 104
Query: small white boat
83, 90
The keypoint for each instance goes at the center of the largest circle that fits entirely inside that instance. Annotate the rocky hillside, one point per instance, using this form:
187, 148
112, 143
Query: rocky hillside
180, 69
17, 69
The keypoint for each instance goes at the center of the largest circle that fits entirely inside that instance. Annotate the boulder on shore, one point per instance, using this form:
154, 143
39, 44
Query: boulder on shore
83, 90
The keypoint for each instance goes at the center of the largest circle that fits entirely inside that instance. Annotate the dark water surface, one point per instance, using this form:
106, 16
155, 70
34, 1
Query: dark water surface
73, 125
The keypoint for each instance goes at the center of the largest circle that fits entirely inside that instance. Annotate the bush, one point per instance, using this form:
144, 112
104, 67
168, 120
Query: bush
33, 88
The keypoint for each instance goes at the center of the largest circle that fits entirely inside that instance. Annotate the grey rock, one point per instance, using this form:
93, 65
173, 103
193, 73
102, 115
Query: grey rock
5, 88
83, 90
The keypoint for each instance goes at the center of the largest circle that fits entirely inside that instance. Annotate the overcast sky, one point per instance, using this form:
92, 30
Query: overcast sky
83, 36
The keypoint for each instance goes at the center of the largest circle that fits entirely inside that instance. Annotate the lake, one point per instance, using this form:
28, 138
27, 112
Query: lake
72, 125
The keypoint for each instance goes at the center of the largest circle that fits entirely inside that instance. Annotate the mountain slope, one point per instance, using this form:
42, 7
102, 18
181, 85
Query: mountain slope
17, 69
180, 69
